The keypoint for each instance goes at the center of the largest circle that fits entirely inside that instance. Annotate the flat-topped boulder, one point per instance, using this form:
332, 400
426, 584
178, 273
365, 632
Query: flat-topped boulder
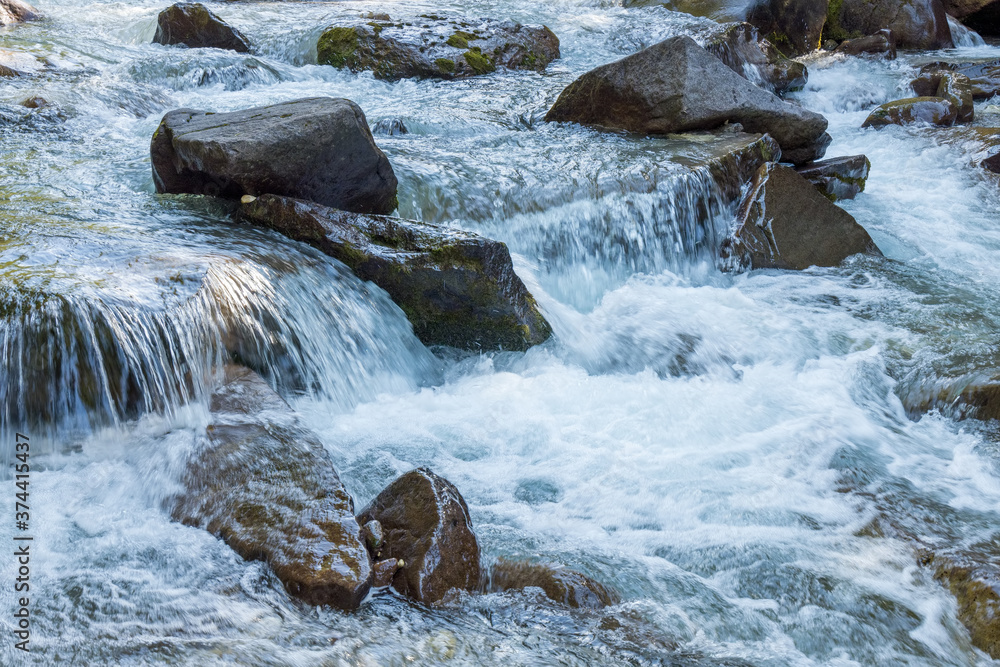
838, 178
785, 223
16, 11
456, 288
191, 24
267, 487
939, 111
436, 48
743, 50
882, 43
916, 24
318, 148
677, 86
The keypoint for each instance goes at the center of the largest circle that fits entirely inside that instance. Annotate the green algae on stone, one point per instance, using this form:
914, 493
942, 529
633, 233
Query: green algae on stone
479, 63
461, 39
337, 47
445, 65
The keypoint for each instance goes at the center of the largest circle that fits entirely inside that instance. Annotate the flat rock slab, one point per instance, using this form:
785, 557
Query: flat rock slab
743, 50
677, 86
317, 148
559, 583
15, 11
191, 24
437, 48
456, 288
784, 223
268, 488
427, 526
838, 178
939, 111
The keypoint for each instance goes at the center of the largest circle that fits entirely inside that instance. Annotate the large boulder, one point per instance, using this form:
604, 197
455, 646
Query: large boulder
742, 49
838, 178
436, 48
677, 86
984, 78
795, 26
457, 288
317, 148
16, 11
559, 583
916, 24
939, 111
268, 488
426, 525
784, 223
192, 24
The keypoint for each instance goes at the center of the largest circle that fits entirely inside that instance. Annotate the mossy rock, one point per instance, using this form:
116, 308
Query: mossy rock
975, 583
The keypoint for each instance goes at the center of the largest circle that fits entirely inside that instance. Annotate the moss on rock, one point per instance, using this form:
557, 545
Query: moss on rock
480, 64
338, 47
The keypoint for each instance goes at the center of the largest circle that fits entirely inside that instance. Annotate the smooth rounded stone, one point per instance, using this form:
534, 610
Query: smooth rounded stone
838, 178
560, 584
742, 49
984, 78
192, 24
677, 86
929, 110
268, 488
36, 103
784, 223
436, 48
317, 148
390, 127
383, 572
794, 26
916, 24
456, 288
974, 580
951, 85
882, 43
427, 526
16, 11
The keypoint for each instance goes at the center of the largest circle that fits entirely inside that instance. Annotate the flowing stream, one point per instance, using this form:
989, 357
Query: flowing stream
713, 446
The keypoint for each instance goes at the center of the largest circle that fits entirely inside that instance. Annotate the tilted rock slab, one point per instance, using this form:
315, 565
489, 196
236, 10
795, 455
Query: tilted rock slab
15, 11
677, 86
784, 223
193, 25
427, 526
317, 148
743, 50
436, 48
838, 178
268, 488
975, 583
456, 288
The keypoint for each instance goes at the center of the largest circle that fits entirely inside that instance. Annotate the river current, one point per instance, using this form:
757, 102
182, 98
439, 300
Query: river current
713, 446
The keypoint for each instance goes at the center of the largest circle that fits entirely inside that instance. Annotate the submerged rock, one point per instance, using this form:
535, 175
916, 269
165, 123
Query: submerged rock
17, 63
436, 48
958, 398
192, 24
784, 223
882, 43
839, 177
427, 526
795, 26
929, 110
456, 288
677, 86
742, 49
916, 24
268, 488
15, 11
950, 85
975, 583
317, 148
559, 583
984, 78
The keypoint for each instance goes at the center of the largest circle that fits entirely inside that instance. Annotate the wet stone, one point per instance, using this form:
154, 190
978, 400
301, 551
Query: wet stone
191, 24
938, 111
838, 178
560, 584
741, 47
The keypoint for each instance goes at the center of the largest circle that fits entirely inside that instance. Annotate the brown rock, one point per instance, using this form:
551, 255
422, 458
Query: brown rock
559, 583
930, 110
427, 526
795, 26
191, 24
839, 177
984, 78
384, 571
975, 583
15, 11
881, 43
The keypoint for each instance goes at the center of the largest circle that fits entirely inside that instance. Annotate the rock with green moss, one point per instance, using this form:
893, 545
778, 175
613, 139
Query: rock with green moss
317, 148
974, 580
191, 24
457, 288
916, 24
559, 583
16, 11
436, 48
740, 46
267, 487
794, 26
838, 178
923, 110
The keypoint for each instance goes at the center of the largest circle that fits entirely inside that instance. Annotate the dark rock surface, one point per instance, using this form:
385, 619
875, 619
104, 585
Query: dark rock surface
795, 26
784, 223
882, 43
457, 288
436, 48
740, 46
268, 488
317, 148
427, 526
928, 110
559, 583
984, 78
192, 24
677, 86
16, 11
838, 178
916, 24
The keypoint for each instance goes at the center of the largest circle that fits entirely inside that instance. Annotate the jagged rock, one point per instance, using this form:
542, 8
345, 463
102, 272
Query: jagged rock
457, 288
795, 26
984, 78
677, 86
15, 11
436, 48
839, 177
427, 526
317, 148
930, 110
916, 24
975, 583
559, 583
193, 25
268, 488
784, 223
741, 47
881, 43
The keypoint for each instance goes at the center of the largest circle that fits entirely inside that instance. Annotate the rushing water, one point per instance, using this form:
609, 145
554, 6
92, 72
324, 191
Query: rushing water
713, 446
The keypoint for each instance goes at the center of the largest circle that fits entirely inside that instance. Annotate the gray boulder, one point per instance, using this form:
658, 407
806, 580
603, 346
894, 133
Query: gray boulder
784, 223
927, 110
795, 26
16, 11
838, 178
317, 148
192, 24
677, 86
457, 288
882, 43
436, 48
268, 488
744, 51
984, 78
916, 24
